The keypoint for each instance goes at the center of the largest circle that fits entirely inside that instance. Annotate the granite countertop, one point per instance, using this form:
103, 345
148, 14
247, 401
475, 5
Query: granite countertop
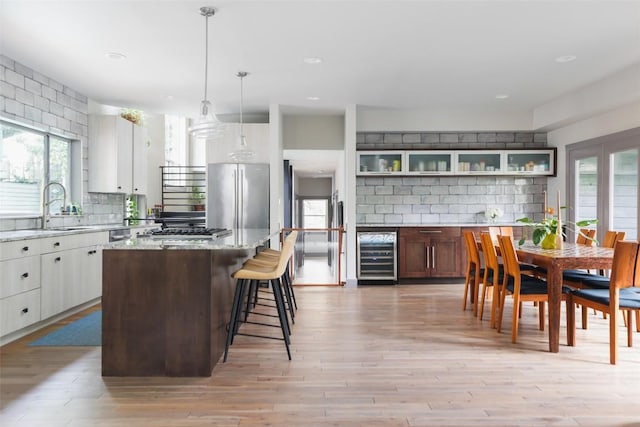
470, 224
245, 238
38, 233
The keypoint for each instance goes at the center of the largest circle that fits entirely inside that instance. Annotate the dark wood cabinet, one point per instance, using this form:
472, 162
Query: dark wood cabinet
430, 252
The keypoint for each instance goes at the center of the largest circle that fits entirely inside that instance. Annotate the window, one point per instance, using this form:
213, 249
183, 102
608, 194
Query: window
603, 182
29, 160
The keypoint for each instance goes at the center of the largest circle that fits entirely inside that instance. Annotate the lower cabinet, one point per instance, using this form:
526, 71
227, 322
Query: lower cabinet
430, 252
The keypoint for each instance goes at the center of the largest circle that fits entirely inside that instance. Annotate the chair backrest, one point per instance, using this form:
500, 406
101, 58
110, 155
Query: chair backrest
472, 249
509, 256
609, 240
489, 251
625, 266
506, 231
620, 235
286, 253
586, 236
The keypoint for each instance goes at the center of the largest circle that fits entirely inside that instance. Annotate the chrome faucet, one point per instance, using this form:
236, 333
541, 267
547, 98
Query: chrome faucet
46, 204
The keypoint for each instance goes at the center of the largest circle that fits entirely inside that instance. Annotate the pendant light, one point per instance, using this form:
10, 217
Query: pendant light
243, 153
207, 125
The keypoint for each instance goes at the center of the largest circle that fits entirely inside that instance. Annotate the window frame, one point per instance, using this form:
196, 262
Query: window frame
72, 157
602, 148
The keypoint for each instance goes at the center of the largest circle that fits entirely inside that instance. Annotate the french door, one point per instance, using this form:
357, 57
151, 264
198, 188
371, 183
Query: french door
603, 182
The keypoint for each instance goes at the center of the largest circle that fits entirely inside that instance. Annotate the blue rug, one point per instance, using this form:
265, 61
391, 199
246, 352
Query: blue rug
86, 331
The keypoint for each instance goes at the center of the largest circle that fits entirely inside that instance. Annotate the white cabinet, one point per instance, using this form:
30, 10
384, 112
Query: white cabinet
117, 156
19, 285
71, 272
541, 162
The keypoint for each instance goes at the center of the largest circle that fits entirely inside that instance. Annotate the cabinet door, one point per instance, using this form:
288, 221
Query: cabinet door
19, 275
110, 154
445, 257
139, 171
380, 163
57, 270
19, 311
89, 282
413, 254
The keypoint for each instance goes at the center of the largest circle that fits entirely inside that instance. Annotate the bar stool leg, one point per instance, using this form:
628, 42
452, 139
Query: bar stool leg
237, 302
282, 312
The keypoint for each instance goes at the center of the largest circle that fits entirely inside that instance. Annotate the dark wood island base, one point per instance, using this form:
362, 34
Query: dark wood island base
164, 311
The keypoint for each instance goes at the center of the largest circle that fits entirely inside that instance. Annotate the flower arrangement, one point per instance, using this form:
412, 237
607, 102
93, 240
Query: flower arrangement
492, 214
134, 116
547, 231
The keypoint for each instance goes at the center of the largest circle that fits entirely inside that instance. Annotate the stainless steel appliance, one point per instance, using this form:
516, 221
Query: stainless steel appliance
377, 259
237, 195
188, 233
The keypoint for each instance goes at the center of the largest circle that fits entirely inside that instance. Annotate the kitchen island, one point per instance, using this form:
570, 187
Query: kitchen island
165, 302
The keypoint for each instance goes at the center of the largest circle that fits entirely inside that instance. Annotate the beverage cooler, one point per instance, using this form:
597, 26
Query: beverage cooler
377, 260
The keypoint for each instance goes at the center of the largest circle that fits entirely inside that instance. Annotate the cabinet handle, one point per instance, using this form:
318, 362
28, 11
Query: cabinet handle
430, 231
58, 259
426, 259
25, 248
56, 244
135, 189
25, 310
91, 252
433, 256
24, 275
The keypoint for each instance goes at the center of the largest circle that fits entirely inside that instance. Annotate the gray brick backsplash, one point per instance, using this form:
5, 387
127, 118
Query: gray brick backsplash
412, 181
402, 190
366, 209
363, 190
505, 137
430, 138
468, 138
420, 209
411, 138
440, 189
411, 218
458, 189
393, 181
402, 209
485, 137
451, 138
373, 138
374, 218
429, 199
34, 99
375, 200
411, 200
421, 189
383, 209
392, 200
392, 138
392, 219
384, 189
524, 137
430, 218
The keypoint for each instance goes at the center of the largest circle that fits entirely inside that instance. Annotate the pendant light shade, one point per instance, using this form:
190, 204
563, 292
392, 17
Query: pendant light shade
243, 153
207, 125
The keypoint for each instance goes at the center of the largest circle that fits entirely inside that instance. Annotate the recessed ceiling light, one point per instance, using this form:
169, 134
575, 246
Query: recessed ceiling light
115, 56
565, 58
313, 98
312, 60
503, 96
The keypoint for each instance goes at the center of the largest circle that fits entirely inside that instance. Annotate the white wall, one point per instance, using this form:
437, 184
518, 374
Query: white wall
441, 119
318, 132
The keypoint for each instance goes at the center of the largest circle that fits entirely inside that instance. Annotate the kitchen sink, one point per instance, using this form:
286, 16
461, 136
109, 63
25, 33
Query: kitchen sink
68, 228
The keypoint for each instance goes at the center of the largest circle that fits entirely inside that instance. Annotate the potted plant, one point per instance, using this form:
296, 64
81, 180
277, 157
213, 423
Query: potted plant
197, 198
548, 232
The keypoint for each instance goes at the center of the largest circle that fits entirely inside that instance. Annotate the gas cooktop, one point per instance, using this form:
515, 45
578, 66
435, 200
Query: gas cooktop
189, 233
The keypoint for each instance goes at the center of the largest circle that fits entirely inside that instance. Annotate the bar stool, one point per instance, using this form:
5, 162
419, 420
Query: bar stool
254, 272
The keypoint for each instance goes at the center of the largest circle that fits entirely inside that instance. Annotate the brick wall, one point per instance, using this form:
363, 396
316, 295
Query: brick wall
437, 200
35, 100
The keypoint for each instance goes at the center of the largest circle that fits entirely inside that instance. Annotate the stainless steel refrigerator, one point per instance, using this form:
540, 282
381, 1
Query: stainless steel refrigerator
237, 195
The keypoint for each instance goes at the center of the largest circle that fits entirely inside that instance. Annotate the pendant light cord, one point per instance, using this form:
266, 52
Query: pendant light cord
242, 106
206, 54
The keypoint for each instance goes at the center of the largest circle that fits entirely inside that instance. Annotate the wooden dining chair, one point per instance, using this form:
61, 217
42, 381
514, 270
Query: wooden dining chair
521, 287
493, 276
473, 271
586, 236
622, 295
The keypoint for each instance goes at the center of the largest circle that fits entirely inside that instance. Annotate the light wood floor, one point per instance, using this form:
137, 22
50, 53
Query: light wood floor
373, 356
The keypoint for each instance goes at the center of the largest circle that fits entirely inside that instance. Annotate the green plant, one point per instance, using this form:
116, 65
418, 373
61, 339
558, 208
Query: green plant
131, 212
134, 116
197, 195
549, 226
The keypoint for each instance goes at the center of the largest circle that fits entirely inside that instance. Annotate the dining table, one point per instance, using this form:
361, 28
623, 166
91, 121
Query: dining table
555, 261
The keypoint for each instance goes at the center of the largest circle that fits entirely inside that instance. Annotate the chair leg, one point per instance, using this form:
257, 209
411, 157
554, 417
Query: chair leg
613, 339
485, 288
287, 278
516, 316
541, 315
237, 301
571, 322
501, 311
476, 291
282, 314
467, 284
585, 316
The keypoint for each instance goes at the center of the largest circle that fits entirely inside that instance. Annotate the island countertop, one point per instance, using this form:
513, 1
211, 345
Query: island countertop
242, 238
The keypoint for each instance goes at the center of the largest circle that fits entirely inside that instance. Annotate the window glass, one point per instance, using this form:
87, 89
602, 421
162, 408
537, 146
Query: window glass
28, 161
586, 189
624, 188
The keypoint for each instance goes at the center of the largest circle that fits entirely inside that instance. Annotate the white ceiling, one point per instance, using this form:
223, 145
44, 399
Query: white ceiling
391, 54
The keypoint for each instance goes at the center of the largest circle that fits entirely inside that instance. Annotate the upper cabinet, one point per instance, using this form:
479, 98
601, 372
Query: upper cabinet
117, 156
539, 162
380, 162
